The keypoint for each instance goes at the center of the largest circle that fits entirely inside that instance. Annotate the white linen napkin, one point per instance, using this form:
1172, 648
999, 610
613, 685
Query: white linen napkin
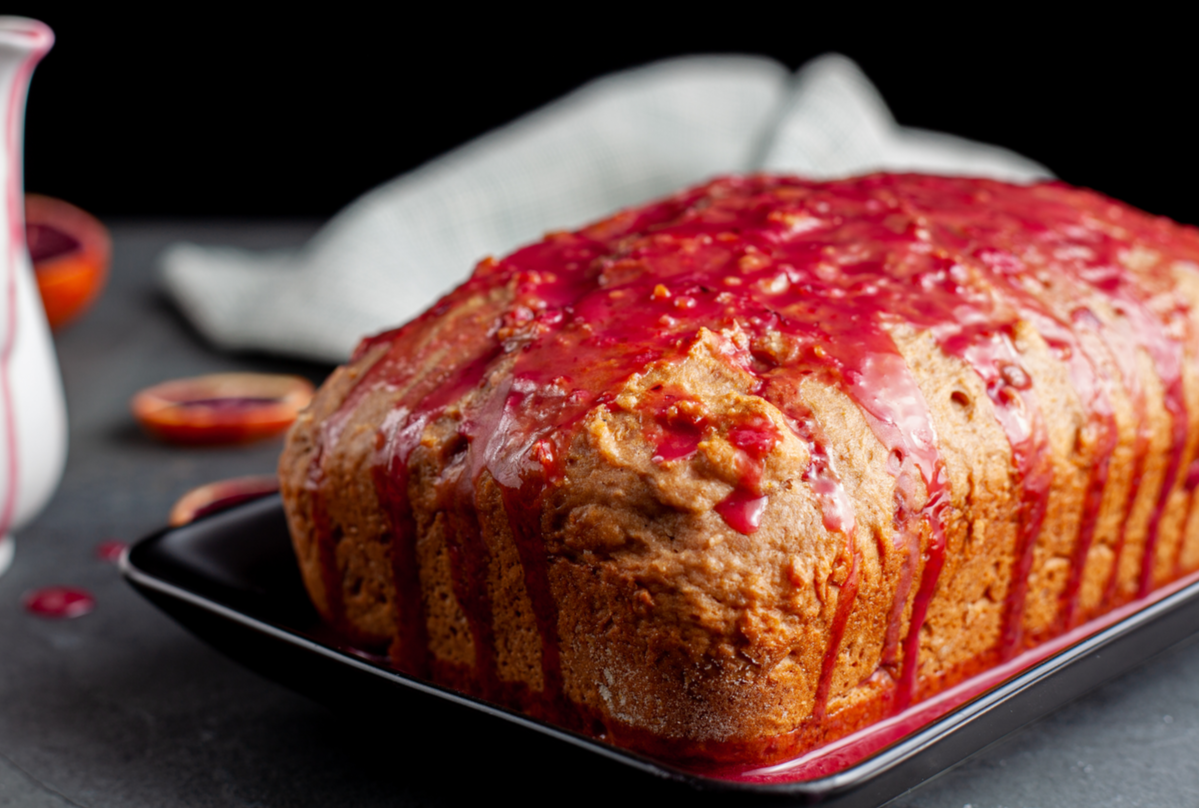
617, 141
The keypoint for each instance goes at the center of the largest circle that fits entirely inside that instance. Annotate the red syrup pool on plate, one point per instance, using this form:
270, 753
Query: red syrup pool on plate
59, 602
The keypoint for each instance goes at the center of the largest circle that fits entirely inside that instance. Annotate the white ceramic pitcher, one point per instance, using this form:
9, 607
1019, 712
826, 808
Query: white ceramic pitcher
33, 416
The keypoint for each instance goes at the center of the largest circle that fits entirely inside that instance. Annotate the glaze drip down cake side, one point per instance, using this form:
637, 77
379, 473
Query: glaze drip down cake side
728, 476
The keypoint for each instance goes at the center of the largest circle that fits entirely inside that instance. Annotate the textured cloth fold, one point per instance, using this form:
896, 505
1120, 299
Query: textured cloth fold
617, 141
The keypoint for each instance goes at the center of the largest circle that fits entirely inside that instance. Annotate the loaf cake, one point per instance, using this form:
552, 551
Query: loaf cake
728, 476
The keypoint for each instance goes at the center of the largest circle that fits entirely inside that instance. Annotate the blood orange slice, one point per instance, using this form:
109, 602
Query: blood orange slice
71, 251
221, 408
220, 495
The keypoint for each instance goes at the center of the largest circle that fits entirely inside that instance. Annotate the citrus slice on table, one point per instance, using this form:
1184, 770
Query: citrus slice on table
220, 495
71, 251
221, 408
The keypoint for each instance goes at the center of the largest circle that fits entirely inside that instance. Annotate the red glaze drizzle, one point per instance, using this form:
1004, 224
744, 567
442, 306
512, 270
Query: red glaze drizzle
328, 535
847, 590
1190, 483
469, 563
791, 279
525, 524
996, 360
409, 652
1179, 428
743, 508
1141, 451
1089, 381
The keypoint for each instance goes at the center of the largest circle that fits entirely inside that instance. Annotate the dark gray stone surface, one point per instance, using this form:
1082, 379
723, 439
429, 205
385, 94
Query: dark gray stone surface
123, 707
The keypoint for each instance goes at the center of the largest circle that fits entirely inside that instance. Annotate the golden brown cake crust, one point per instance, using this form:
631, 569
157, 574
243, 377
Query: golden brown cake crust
735, 473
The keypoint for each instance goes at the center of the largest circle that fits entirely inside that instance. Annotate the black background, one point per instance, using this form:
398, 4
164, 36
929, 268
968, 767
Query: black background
228, 114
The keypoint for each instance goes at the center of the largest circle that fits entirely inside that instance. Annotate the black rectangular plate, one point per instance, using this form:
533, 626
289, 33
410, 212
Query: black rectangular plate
231, 578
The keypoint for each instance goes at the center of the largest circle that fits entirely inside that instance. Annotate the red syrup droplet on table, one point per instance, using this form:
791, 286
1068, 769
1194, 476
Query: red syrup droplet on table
59, 602
110, 550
